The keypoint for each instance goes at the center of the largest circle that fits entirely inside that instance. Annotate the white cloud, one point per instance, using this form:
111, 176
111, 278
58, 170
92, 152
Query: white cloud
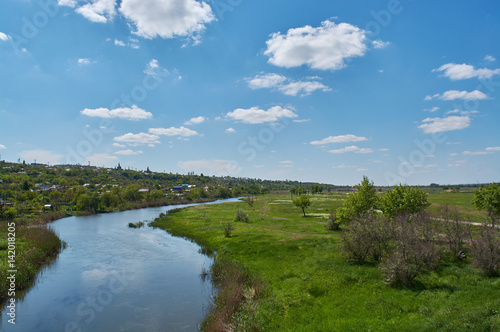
344, 166
455, 94
172, 131
67, 3
196, 120
352, 148
119, 43
2, 147
361, 169
84, 61
456, 111
461, 72
489, 58
432, 110
230, 130
134, 113
326, 47
476, 153
383, 149
153, 68
104, 159
216, 167
493, 148
256, 115
340, 139
301, 120
41, 156
167, 18
136, 139
128, 152
118, 145
285, 85
4, 37
453, 154
436, 125
287, 162
99, 11
133, 43
380, 44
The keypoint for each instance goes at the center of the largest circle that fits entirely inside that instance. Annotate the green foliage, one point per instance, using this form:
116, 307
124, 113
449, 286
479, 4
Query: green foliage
488, 199
227, 228
302, 202
403, 199
316, 189
359, 203
241, 216
9, 213
486, 251
332, 223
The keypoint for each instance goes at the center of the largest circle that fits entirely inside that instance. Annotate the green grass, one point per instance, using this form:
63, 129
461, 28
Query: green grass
311, 286
461, 200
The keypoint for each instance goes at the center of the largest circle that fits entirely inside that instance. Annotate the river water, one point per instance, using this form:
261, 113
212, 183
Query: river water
114, 278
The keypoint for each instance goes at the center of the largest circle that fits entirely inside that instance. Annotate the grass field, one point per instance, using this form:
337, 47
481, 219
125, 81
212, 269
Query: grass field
311, 286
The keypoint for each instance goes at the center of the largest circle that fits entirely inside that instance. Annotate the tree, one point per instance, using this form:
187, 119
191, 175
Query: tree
488, 199
359, 203
302, 202
403, 200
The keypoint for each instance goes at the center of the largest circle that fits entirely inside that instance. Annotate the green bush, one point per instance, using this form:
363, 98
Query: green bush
241, 216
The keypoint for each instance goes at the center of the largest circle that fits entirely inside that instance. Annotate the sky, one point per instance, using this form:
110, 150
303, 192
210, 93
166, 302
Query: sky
319, 90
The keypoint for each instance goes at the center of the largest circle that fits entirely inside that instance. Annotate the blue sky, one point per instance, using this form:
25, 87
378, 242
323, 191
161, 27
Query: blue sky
324, 91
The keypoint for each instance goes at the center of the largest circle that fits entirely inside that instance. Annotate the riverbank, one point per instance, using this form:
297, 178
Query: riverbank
309, 284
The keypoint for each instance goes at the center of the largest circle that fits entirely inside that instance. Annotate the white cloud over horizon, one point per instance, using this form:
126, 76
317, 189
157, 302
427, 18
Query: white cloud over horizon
41, 156
255, 115
436, 125
326, 47
137, 139
455, 94
463, 71
128, 152
126, 113
215, 167
340, 139
195, 120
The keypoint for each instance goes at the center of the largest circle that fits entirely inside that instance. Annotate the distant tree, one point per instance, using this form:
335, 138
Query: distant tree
223, 192
403, 200
9, 213
302, 202
488, 199
25, 185
359, 203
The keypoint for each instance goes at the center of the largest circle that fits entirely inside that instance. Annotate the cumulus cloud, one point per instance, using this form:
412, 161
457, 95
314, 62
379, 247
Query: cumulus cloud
380, 44
286, 85
67, 3
432, 110
119, 42
99, 11
118, 145
128, 152
216, 167
256, 115
352, 148
436, 125
2, 147
493, 148
167, 18
137, 139
476, 153
196, 120
134, 113
326, 47
230, 130
4, 37
455, 94
84, 62
172, 131
463, 71
489, 58
41, 156
339, 139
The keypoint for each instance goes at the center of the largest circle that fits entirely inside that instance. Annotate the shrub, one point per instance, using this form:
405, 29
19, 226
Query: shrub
366, 236
415, 251
457, 233
486, 250
241, 216
227, 227
332, 224
359, 203
249, 200
403, 200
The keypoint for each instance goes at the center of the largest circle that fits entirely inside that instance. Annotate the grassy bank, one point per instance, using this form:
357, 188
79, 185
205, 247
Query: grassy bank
34, 247
309, 284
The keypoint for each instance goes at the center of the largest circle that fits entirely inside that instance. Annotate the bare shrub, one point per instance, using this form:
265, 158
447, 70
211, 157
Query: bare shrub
227, 227
415, 249
366, 236
249, 200
332, 224
457, 233
241, 216
486, 250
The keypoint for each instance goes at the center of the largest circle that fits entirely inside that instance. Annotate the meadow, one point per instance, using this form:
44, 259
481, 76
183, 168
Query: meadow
307, 283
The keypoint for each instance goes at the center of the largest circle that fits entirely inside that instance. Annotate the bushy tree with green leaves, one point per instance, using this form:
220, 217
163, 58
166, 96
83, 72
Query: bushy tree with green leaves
487, 199
358, 203
302, 202
403, 200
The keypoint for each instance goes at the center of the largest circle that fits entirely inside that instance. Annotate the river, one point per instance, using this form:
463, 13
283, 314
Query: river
114, 278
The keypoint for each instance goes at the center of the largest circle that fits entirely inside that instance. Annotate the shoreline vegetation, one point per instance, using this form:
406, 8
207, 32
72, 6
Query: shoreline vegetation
279, 271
